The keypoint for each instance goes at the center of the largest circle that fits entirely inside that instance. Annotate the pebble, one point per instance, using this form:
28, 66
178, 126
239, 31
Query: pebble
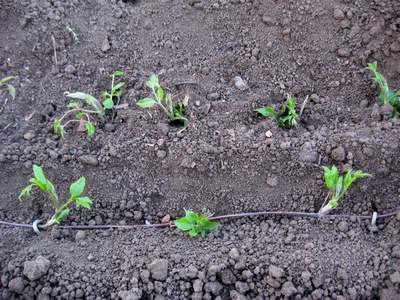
80, 235
161, 153
344, 52
267, 20
29, 135
234, 254
343, 226
240, 83
105, 46
166, 219
90, 160
17, 285
338, 14
70, 69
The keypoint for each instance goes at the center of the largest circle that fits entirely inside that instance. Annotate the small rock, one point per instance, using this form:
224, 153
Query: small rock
234, 254
17, 285
80, 235
161, 153
132, 294
338, 14
90, 160
29, 135
163, 127
308, 153
386, 111
395, 47
197, 286
70, 69
275, 271
159, 269
105, 46
213, 287
242, 287
288, 289
342, 274
395, 277
338, 154
268, 134
166, 219
240, 83
343, 226
213, 96
344, 52
267, 20
37, 268
272, 181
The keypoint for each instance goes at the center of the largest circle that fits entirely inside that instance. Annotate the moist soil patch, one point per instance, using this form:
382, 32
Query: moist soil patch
229, 57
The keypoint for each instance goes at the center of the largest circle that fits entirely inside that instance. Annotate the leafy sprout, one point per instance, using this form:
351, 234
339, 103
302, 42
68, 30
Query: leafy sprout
61, 210
386, 94
286, 117
87, 106
174, 112
195, 224
338, 185
11, 89
75, 36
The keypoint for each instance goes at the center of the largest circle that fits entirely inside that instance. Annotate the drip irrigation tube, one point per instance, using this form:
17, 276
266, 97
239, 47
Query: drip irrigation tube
36, 226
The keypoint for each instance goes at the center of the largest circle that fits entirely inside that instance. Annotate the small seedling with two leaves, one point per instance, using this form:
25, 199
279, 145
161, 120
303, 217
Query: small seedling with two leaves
61, 210
75, 36
84, 110
195, 224
287, 116
174, 112
11, 89
338, 185
386, 94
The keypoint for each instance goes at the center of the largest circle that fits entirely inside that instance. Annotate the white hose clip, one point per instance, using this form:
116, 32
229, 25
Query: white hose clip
36, 225
374, 218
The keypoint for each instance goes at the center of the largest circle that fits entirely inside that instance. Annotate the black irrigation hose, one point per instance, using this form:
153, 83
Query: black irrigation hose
374, 217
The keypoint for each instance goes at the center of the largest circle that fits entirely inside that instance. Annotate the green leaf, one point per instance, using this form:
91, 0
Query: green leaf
90, 128
183, 224
331, 177
118, 86
6, 79
12, 90
26, 192
62, 215
267, 111
39, 174
192, 217
153, 82
77, 188
73, 105
146, 103
85, 202
108, 103
58, 128
118, 73
193, 232
210, 225
160, 93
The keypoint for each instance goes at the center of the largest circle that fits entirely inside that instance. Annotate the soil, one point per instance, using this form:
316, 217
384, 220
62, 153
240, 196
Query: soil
230, 57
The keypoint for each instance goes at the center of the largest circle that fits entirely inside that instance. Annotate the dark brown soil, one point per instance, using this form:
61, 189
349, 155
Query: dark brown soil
140, 169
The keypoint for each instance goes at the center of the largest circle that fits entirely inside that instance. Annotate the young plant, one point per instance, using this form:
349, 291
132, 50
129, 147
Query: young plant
338, 186
74, 34
386, 94
61, 210
11, 89
286, 117
82, 115
174, 112
195, 224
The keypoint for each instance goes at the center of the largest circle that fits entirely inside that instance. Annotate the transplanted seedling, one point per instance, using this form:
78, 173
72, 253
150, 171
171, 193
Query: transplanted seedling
61, 210
174, 112
386, 94
287, 116
195, 224
338, 185
88, 107
11, 89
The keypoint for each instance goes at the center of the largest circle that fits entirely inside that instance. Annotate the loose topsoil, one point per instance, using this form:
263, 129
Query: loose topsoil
228, 160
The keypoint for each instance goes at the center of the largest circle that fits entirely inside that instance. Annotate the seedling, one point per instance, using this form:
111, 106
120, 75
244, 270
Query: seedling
11, 89
74, 34
174, 112
61, 210
287, 116
83, 115
195, 224
386, 94
338, 186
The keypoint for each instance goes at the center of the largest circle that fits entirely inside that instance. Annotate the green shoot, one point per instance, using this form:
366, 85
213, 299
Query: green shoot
386, 95
11, 89
115, 92
61, 210
338, 185
174, 112
286, 117
74, 34
88, 107
195, 224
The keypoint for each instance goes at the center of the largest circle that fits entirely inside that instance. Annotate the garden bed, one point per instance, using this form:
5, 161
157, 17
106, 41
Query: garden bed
139, 168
